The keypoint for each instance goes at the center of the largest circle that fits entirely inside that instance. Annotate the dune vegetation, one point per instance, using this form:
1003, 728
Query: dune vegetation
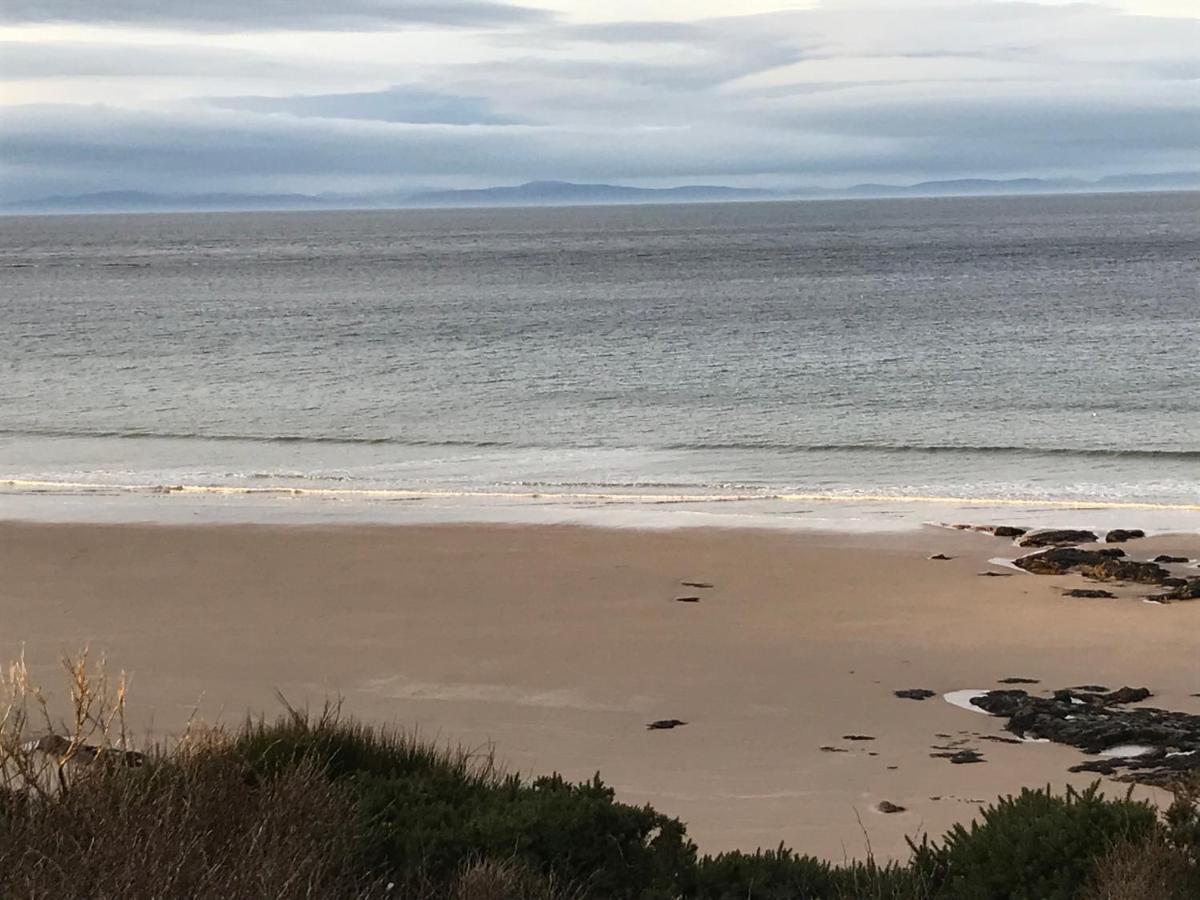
320, 805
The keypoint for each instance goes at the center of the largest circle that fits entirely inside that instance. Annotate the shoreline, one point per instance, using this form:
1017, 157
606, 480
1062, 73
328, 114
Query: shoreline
557, 644
802, 512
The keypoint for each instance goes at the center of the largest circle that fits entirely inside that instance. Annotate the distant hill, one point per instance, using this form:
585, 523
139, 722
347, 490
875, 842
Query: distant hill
566, 193
143, 201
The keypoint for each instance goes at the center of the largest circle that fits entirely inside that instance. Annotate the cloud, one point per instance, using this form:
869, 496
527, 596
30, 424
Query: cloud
21, 60
284, 15
396, 104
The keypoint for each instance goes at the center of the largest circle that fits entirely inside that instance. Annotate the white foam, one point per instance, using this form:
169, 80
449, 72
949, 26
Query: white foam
962, 699
1006, 564
1124, 750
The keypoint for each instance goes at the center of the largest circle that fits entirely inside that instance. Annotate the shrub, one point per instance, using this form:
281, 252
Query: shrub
1036, 846
429, 810
1182, 819
785, 875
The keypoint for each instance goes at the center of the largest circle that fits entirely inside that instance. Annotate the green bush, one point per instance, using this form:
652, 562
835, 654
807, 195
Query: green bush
429, 810
785, 875
1036, 846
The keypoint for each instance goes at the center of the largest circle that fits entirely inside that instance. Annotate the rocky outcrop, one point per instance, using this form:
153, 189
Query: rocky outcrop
915, 694
1090, 594
1164, 558
1119, 535
1093, 564
1143, 744
1057, 537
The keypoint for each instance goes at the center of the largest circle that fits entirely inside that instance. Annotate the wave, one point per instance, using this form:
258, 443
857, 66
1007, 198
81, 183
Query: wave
248, 438
727, 446
994, 449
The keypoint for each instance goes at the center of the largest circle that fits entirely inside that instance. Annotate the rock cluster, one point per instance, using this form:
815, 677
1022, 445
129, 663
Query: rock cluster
1162, 745
1092, 563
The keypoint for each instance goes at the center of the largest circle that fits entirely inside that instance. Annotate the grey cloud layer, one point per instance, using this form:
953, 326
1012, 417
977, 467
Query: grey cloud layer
249, 15
396, 104
980, 89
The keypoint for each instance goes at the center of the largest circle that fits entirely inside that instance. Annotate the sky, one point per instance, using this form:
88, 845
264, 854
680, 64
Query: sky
378, 96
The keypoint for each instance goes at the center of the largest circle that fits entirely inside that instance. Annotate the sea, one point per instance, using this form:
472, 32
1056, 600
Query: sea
872, 364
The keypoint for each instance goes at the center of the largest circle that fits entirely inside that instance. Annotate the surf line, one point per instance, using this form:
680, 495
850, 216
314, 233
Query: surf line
407, 493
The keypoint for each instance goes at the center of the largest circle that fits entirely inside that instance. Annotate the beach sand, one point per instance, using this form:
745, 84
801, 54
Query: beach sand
556, 645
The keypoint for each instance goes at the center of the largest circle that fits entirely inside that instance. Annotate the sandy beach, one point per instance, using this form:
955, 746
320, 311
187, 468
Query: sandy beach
556, 645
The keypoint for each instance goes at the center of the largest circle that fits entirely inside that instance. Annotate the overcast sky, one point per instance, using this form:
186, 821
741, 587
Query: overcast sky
365, 95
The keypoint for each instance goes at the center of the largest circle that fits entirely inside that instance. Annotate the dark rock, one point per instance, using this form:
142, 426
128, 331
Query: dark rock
83, 754
828, 749
1089, 593
995, 574
857, 737
941, 556
997, 530
915, 694
892, 768
687, 599
1016, 680
1095, 721
1189, 590
1000, 703
885, 806
1061, 537
960, 757
1164, 558
1091, 563
1008, 531
664, 724
1117, 535
1112, 552
696, 584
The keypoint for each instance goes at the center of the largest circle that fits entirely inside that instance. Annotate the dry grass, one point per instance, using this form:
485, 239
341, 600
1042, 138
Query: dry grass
1145, 870
508, 880
43, 749
82, 814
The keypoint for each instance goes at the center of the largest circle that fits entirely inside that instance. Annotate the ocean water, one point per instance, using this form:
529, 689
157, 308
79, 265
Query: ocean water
798, 363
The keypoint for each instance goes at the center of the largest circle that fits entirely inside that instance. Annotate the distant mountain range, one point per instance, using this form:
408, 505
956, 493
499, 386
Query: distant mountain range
565, 193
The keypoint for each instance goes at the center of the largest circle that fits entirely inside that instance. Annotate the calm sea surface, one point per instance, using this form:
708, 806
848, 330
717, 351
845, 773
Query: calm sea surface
1029, 350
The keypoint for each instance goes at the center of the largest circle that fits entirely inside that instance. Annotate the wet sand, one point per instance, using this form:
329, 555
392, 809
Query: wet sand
556, 645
